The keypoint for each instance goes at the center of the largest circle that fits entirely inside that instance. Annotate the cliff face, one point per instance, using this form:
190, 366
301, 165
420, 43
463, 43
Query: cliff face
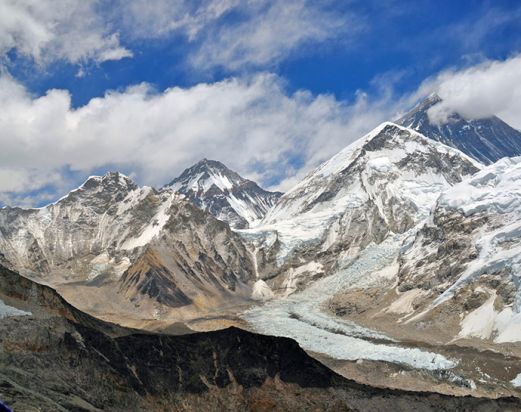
55, 358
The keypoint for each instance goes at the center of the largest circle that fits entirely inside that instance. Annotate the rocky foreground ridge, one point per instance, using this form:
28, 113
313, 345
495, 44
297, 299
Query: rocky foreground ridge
56, 358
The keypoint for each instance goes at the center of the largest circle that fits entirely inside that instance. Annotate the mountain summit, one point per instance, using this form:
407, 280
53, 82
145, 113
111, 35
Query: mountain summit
382, 184
486, 140
211, 186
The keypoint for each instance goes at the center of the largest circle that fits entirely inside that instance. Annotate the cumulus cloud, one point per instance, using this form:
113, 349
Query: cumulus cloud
487, 89
252, 125
49, 30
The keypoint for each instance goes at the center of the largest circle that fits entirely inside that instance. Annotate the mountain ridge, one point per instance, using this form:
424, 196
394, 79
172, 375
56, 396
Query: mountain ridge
93, 242
384, 183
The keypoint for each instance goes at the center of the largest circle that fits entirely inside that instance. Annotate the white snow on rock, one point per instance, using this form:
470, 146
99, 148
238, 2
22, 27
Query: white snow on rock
496, 189
387, 180
508, 326
211, 186
496, 193
516, 381
201, 183
93, 230
487, 323
480, 322
153, 229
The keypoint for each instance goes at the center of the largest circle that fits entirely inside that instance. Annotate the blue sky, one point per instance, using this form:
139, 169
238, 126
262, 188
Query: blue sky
409, 39
270, 88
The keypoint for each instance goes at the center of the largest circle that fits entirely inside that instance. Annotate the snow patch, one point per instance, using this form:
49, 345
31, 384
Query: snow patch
380, 164
7, 311
516, 381
508, 326
153, 229
261, 291
486, 323
480, 322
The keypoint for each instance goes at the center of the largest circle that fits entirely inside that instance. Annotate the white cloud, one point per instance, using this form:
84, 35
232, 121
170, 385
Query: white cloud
235, 34
49, 30
232, 34
252, 125
159, 18
270, 31
487, 89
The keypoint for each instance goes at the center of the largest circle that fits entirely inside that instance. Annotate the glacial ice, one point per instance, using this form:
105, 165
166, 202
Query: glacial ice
300, 317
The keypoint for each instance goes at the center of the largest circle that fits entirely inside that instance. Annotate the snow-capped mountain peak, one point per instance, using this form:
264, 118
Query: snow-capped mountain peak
113, 186
203, 175
382, 184
108, 181
486, 140
213, 187
385, 151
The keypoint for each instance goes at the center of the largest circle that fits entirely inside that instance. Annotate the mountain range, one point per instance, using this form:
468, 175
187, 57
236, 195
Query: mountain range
74, 362
111, 247
402, 250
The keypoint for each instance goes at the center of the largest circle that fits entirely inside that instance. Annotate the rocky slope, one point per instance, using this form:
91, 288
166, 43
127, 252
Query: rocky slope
383, 184
211, 186
111, 246
54, 358
468, 255
486, 140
